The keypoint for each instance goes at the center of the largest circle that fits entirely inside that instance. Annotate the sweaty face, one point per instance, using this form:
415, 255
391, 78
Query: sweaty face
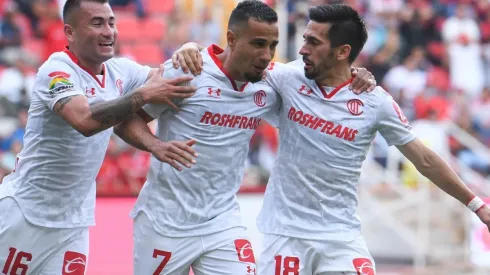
254, 49
95, 31
317, 54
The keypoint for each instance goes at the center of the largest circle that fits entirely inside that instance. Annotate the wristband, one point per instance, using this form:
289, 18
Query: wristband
475, 204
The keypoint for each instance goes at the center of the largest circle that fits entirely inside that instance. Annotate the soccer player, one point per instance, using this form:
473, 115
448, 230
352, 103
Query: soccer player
309, 209
191, 218
47, 203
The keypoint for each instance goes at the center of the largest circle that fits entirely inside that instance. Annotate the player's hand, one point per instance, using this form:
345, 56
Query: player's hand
364, 81
484, 215
175, 153
189, 58
160, 90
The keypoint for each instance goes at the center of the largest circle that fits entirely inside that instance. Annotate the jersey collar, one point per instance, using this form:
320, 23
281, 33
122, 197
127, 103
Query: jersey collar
213, 51
75, 60
334, 91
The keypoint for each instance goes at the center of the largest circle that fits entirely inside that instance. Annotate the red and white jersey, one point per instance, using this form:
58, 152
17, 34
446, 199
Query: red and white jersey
54, 179
325, 134
222, 117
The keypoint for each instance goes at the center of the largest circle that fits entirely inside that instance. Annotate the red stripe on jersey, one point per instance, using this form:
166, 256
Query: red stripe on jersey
76, 61
213, 51
336, 90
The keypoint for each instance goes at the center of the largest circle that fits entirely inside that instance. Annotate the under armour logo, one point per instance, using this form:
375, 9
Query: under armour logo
250, 270
90, 92
303, 90
217, 92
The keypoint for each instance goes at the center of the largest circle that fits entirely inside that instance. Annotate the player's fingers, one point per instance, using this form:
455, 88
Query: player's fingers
183, 92
179, 149
355, 82
175, 60
160, 70
189, 60
183, 63
353, 71
179, 159
172, 105
172, 163
163, 158
197, 62
200, 61
358, 81
180, 80
188, 150
190, 142
364, 88
372, 85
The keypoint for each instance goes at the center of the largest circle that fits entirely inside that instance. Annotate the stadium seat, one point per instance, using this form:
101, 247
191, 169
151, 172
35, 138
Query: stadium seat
148, 53
153, 29
129, 28
160, 6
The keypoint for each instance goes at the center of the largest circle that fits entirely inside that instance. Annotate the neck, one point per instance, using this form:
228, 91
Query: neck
227, 62
95, 68
335, 76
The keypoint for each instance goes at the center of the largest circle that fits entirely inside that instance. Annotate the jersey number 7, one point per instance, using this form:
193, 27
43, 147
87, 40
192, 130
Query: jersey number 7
166, 257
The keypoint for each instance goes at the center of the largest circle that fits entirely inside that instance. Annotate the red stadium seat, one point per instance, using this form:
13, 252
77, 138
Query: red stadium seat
129, 28
160, 6
153, 29
148, 53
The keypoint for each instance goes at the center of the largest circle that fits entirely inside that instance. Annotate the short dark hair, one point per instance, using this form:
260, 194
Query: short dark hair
254, 9
72, 5
347, 26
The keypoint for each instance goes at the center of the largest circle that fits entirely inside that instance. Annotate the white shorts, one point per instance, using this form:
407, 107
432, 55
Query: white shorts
27, 249
287, 256
223, 253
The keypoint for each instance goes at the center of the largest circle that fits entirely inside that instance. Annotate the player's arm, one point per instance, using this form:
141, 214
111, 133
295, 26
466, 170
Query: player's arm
91, 119
394, 127
433, 167
135, 131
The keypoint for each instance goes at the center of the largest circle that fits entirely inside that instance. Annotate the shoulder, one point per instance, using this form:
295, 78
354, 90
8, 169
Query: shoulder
377, 97
120, 61
58, 70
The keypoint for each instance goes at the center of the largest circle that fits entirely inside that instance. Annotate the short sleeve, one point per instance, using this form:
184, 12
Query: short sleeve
56, 81
136, 74
392, 123
155, 110
277, 75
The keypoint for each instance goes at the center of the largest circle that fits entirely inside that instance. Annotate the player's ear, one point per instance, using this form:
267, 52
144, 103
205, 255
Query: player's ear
69, 32
231, 38
343, 52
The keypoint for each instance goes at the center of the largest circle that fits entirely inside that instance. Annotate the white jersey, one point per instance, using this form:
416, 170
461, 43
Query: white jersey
325, 134
222, 117
54, 179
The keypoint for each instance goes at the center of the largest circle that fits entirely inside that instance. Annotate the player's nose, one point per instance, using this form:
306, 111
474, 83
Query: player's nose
266, 56
108, 31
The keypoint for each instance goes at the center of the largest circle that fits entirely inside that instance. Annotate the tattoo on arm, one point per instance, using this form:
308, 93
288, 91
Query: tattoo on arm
58, 107
112, 112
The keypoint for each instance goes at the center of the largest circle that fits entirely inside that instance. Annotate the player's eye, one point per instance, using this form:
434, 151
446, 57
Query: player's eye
259, 44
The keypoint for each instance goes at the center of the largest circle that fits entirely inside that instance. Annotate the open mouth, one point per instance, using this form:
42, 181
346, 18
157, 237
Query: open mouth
108, 44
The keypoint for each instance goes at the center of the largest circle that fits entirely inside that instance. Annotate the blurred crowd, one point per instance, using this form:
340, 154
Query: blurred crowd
432, 56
